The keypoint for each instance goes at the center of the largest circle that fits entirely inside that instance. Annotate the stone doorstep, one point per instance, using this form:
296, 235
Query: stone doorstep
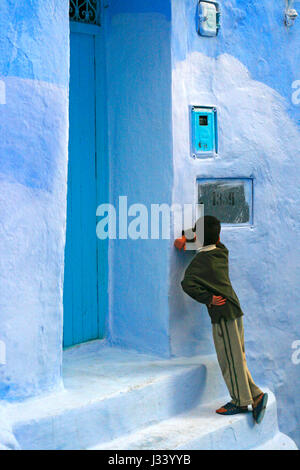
109, 392
116, 398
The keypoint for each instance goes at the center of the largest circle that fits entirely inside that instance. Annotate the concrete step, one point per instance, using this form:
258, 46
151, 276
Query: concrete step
279, 442
111, 393
201, 428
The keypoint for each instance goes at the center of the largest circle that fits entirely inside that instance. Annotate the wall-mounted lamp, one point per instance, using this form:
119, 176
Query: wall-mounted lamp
290, 14
208, 18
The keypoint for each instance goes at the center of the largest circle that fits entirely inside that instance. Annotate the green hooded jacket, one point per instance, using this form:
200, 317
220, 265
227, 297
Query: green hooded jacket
208, 275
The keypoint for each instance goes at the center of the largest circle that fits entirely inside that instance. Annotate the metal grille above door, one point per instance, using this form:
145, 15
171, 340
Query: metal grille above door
85, 11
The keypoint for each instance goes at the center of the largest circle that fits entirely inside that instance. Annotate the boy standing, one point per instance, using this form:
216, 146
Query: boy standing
207, 281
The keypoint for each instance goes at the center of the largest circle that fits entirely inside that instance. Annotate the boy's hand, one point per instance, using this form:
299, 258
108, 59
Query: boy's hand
180, 243
218, 300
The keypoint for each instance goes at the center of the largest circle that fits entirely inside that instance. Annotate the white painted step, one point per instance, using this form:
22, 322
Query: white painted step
201, 428
279, 442
110, 393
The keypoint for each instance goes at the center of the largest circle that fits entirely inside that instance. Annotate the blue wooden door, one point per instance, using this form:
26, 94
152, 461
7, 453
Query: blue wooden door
81, 309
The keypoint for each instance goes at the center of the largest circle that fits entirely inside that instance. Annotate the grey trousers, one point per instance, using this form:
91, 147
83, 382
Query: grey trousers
230, 347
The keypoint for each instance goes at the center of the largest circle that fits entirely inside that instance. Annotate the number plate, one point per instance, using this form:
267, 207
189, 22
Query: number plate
228, 199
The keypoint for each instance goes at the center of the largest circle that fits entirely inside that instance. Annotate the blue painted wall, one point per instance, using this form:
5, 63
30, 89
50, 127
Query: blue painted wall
247, 72
140, 156
34, 63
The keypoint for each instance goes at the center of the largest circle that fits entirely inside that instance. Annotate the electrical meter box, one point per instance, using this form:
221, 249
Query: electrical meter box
204, 133
208, 18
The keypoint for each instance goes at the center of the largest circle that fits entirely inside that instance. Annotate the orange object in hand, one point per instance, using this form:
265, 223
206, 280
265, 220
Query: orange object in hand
180, 243
218, 300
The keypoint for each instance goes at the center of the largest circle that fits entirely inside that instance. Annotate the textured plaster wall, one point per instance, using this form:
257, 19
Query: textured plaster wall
140, 156
34, 64
247, 72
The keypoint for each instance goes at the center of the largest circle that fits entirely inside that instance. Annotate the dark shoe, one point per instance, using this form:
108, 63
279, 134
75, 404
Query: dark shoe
231, 409
260, 409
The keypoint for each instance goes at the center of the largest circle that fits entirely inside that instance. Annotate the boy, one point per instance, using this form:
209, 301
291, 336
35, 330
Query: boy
207, 281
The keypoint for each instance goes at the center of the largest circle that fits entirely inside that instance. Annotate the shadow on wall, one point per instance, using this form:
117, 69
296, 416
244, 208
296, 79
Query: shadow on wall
7, 438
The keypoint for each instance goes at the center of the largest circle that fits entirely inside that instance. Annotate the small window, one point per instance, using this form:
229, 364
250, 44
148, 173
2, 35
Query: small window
85, 11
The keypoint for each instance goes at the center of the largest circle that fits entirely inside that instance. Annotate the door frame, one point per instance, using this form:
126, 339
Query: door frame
102, 167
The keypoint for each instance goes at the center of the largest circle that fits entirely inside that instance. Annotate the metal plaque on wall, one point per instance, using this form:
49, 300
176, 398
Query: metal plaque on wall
228, 199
